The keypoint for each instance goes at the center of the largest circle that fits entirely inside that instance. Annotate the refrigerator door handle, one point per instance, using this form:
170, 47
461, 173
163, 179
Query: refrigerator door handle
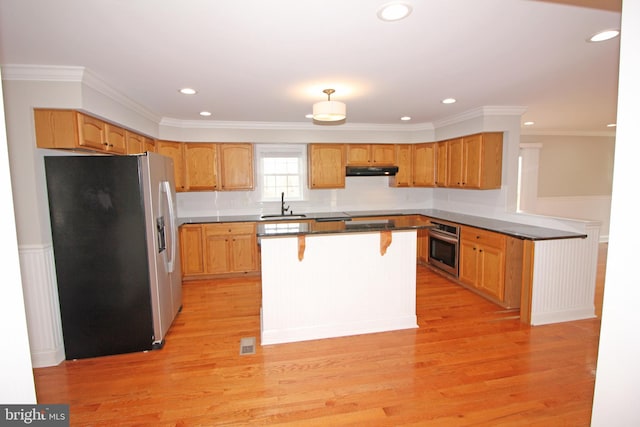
166, 189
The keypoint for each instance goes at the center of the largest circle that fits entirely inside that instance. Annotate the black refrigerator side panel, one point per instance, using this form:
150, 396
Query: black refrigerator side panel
99, 243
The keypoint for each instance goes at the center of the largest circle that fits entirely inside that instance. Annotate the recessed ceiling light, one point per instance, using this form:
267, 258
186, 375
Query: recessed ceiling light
529, 123
394, 11
205, 113
604, 35
187, 91
448, 100
405, 118
611, 125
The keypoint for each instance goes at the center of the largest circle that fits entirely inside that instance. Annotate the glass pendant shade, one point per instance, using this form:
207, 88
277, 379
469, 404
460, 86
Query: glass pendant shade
329, 111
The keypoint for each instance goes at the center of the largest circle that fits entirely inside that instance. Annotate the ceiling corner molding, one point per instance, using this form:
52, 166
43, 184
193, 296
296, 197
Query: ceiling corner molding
481, 112
91, 80
531, 132
45, 73
72, 74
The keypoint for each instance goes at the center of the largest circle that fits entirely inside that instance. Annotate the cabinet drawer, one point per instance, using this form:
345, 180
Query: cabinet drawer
230, 228
483, 237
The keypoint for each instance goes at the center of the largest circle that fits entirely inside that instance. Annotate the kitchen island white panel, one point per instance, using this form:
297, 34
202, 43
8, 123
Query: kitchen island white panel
342, 286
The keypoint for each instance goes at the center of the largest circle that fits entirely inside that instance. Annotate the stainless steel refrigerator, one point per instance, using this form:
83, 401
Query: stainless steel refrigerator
115, 243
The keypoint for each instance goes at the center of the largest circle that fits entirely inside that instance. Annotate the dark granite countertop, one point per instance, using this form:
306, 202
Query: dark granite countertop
321, 223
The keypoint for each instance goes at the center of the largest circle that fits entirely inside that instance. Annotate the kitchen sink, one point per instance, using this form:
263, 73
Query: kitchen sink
278, 216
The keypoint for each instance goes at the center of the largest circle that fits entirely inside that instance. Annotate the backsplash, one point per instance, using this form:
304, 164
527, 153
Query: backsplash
360, 193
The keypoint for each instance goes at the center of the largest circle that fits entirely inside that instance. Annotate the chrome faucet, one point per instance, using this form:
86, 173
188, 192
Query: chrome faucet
283, 209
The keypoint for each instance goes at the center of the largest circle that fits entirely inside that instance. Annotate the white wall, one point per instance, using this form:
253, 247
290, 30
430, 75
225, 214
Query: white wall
618, 373
17, 378
568, 176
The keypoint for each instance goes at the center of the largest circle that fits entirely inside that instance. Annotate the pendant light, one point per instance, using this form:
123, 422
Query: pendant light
329, 111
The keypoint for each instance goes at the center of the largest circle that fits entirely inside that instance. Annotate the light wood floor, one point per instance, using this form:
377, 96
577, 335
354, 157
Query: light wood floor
469, 363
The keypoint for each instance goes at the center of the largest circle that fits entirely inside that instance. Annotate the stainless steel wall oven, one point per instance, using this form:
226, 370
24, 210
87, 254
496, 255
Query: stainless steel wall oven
444, 240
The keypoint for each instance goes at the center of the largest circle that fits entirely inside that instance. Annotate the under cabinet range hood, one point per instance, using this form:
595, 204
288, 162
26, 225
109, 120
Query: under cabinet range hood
372, 170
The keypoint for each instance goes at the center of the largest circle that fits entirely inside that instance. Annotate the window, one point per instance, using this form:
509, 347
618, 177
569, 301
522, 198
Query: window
281, 168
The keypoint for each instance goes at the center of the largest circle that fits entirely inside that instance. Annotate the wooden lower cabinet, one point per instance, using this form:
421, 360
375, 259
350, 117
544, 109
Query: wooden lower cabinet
489, 263
218, 249
482, 261
191, 249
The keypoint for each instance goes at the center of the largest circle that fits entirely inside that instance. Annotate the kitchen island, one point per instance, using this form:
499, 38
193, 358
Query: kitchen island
331, 279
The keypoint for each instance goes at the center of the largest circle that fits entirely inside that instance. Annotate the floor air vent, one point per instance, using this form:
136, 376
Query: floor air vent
247, 346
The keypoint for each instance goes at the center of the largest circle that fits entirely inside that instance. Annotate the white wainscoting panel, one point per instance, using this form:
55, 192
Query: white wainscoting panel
42, 308
564, 279
343, 286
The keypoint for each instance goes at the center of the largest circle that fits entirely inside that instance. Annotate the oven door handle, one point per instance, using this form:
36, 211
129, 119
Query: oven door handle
444, 237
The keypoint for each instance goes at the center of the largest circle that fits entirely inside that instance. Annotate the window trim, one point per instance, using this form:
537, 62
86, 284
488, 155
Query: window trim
298, 151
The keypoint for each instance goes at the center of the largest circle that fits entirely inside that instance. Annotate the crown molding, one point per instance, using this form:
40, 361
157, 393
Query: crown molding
71, 74
88, 78
481, 112
528, 132
48, 73
213, 124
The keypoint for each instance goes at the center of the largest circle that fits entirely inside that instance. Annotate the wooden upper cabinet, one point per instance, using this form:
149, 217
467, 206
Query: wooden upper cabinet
200, 167
95, 134
441, 163
175, 151
236, 166
148, 144
371, 154
475, 161
137, 144
326, 168
424, 165
91, 132
115, 139
404, 158
69, 129
134, 143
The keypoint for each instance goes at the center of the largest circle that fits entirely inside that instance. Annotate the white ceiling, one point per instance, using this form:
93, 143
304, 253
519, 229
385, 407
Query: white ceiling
268, 61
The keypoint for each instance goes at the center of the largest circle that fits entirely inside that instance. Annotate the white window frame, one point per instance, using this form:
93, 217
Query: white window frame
298, 151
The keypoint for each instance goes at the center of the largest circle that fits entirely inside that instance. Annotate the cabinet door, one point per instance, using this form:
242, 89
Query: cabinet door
423, 246
383, 155
243, 253
191, 250
115, 139
403, 161
174, 150
468, 262
236, 166
134, 143
441, 164
424, 165
56, 128
217, 257
472, 161
326, 167
455, 160
148, 145
91, 133
200, 167
491, 274
358, 154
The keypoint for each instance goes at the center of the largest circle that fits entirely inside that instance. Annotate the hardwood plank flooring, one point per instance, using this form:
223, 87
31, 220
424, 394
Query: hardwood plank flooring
470, 362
